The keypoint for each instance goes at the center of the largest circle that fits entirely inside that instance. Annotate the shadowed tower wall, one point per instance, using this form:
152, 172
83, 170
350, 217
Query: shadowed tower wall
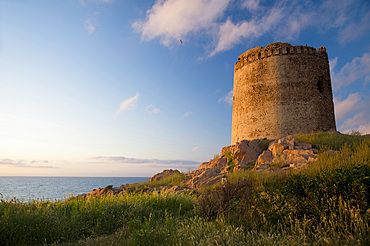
280, 90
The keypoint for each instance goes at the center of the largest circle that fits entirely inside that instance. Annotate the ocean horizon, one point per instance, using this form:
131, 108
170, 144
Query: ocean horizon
56, 188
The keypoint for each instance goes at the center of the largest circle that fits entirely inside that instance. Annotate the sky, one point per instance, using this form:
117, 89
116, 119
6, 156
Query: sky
125, 88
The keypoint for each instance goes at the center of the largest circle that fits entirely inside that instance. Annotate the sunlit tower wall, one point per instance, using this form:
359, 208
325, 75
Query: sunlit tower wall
280, 90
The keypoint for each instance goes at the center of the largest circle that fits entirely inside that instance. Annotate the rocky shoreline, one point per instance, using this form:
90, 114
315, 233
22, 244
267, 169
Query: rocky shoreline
260, 155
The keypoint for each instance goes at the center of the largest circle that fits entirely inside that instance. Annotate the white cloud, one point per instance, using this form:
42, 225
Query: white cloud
358, 68
90, 27
227, 98
251, 5
128, 104
360, 122
364, 129
355, 30
195, 149
230, 34
345, 106
25, 164
187, 114
152, 109
333, 63
172, 20
123, 159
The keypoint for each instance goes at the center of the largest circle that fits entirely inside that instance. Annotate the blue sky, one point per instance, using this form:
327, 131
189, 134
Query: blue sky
106, 88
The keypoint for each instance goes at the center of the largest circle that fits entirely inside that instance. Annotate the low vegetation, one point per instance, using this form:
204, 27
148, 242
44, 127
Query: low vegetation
324, 204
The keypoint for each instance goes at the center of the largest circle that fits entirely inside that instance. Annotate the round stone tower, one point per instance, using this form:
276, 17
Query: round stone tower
280, 90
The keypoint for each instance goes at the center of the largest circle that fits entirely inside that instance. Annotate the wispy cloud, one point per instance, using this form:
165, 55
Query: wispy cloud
355, 29
172, 20
90, 27
151, 109
251, 5
187, 114
25, 164
358, 68
195, 149
127, 160
227, 98
342, 108
128, 104
360, 122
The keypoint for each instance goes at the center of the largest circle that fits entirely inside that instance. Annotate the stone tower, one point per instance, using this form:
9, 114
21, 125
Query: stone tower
280, 90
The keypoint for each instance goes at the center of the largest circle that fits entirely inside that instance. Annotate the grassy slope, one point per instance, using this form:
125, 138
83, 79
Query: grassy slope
325, 204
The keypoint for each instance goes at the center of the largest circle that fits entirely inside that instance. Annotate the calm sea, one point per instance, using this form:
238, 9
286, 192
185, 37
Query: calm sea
57, 188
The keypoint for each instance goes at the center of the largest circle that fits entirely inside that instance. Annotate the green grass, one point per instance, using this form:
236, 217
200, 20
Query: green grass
41, 222
334, 141
327, 203
170, 180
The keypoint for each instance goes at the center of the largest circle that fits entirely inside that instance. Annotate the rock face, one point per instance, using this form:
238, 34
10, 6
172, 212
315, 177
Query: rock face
244, 153
282, 154
285, 153
279, 155
232, 158
163, 174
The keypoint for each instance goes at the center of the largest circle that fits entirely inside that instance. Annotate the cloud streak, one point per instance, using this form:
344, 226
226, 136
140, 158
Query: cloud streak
128, 104
25, 164
227, 98
90, 27
358, 68
172, 20
187, 114
342, 108
151, 109
360, 122
127, 160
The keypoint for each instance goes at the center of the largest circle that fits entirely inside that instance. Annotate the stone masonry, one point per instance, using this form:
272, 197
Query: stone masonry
281, 90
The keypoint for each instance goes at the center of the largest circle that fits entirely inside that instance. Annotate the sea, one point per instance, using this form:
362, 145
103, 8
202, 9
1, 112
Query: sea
56, 188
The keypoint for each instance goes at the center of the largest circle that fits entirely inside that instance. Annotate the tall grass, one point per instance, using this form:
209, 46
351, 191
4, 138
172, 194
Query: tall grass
170, 180
324, 204
41, 222
334, 141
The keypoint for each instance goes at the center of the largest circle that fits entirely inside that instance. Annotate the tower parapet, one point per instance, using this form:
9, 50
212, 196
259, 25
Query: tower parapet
278, 49
281, 89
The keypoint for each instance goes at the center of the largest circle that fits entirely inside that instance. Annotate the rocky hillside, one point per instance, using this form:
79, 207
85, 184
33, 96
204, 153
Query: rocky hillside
260, 155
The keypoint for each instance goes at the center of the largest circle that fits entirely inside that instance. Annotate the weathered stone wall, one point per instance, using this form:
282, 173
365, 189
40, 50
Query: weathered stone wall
281, 90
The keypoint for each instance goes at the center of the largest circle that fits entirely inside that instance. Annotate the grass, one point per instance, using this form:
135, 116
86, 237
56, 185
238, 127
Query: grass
42, 222
170, 180
327, 203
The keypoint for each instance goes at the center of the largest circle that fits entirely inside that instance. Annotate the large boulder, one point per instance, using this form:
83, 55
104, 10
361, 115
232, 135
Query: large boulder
286, 153
244, 153
232, 158
164, 173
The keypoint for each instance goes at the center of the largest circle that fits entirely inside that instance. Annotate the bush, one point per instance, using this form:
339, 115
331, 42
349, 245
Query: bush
224, 200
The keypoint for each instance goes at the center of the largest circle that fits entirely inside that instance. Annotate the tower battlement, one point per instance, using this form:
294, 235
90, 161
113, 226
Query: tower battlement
281, 89
278, 49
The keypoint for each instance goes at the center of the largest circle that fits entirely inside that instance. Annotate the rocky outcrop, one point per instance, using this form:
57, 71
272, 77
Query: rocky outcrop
286, 153
163, 174
232, 158
258, 155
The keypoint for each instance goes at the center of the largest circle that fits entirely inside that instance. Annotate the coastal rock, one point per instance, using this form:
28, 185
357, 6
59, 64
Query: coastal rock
244, 153
286, 153
163, 174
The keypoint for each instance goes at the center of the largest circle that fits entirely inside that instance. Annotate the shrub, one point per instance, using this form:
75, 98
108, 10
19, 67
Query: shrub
223, 200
